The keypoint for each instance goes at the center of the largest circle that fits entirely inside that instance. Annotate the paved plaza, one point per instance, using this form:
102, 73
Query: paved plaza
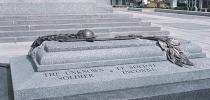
188, 27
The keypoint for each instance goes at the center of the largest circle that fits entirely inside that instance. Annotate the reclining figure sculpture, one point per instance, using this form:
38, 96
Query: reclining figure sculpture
170, 45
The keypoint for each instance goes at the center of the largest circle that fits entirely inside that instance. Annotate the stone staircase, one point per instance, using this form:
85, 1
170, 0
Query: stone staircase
25, 20
21, 28
21, 22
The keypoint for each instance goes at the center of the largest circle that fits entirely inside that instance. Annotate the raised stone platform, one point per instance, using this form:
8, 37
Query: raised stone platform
62, 84
60, 71
57, 56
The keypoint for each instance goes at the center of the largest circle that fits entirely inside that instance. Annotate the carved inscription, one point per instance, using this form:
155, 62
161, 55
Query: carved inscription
73, 74
137, 68
93, 72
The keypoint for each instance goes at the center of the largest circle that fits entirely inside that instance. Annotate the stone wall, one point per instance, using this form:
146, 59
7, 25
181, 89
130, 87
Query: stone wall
53, 6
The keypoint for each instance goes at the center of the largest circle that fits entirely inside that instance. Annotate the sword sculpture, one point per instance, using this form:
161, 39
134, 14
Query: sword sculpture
171, 46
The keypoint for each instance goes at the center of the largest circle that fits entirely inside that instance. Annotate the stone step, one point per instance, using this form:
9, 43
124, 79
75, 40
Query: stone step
62, 16
144, 33
76, 59
60, 31
52, 7
67, 21
32, 37
71, 26
116, 50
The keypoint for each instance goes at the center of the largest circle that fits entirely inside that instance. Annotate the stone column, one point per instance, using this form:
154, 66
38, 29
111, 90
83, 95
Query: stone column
191, 7
188, 4
120, 2
201, 4
114, 2
173, 3
195, 5
205, 5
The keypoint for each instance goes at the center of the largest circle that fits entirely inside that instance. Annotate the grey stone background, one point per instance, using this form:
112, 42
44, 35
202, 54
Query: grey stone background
12, 7
5, 83
194, 28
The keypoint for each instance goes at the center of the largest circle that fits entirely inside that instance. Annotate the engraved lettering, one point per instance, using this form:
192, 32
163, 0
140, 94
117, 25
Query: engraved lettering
120, 68
83, 76
138, 68
51, 74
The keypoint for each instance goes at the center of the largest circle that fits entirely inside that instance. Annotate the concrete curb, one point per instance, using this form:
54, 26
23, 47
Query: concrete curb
183, 12
135, 9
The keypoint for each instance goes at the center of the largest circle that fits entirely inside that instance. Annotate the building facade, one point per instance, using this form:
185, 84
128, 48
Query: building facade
191, 4
127, 2
119, 2
196, 4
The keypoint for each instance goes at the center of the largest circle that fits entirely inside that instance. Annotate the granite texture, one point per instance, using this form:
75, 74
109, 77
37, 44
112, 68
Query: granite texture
44, 18
67, 26
3, 83
47, 8
13, 7
97, 30
98, 55
67, 55
69, 21
8, 18
65, 21
32, 85
31, 36
53, 46
190, 90
187, 26
6, 92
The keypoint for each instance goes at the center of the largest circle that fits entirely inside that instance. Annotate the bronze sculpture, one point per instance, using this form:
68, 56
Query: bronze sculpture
173, 51
171, 46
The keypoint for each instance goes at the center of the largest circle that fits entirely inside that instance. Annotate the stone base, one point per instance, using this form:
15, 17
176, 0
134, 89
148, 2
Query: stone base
67, 55
136, 93
191, 90
152, 79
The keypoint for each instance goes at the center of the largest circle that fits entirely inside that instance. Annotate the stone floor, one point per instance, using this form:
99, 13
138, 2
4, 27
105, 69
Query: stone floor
188, 27
8, 50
